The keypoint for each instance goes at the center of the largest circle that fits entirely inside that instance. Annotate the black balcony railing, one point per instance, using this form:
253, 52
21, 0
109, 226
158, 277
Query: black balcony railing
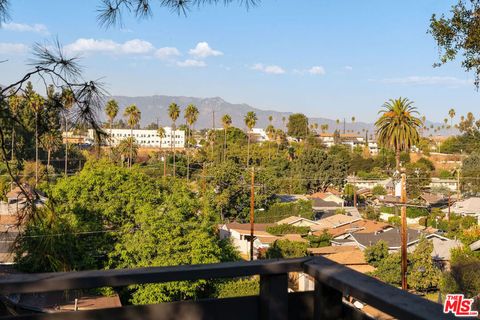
333, 282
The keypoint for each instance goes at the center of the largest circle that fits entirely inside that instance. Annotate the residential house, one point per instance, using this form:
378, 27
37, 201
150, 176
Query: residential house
467, 207
334, 221
356, 226
328, 197
297, 221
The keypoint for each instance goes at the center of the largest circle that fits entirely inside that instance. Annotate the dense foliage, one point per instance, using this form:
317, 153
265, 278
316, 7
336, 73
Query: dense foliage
282, 229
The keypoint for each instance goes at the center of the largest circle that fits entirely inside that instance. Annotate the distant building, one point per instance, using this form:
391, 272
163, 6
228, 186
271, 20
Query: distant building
351, 140
146, 138
259, 135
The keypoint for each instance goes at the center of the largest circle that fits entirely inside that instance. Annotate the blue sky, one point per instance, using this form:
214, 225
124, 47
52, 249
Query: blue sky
334, 59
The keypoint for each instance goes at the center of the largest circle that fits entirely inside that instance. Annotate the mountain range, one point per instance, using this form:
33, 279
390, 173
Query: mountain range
155, 108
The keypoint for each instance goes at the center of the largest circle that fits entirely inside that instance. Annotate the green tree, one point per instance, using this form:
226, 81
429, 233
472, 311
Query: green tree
397, 127
376, 253
464, 274
250, 121
133, 116
379, 190
423, 275
68, 100
36, 103
51, 142
471, 173
111, 110
389, 269
458, 35
298, 126
161, 135
191, 116
173, 113
282, 249
320, 170
226, 123
238, 288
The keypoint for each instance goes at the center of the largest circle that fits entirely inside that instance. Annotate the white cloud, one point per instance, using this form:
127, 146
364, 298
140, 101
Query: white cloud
317, 70
203, 50
22, 27
271, 69
428, 80
191, 63
348, 68
135, 46
12, 48
167, 53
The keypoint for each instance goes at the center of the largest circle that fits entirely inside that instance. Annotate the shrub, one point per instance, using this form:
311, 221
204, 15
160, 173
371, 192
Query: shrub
379, 190
282, 229
287, 249
281, 210
238, 288
322, 240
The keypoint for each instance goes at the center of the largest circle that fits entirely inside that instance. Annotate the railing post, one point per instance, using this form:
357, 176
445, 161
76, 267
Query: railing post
274, 297
328, 302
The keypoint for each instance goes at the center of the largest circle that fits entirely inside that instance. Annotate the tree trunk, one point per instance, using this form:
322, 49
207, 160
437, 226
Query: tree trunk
248, 149
110, 138
397, 159
188, 155
13, 142
66, 145
49, 153
174, 151
131, 148
36, 148
225, 145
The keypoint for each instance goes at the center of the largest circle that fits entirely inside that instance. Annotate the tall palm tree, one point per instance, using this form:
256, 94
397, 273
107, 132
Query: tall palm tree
191, 116
111, 110
226, 122
14, 103
36, 103
270, 131
161, 135
68, 100
173, 113
451, 114
250, 121
133, 116
397, 127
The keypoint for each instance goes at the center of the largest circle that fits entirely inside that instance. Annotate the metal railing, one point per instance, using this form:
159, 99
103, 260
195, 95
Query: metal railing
333, 282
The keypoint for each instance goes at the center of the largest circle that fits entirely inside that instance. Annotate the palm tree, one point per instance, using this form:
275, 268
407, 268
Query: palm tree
14, 103
284, 120
133, 116
397, 127
36, 102
68, 99
173, 113
451, 114
50, 142
270, 130
191, 116
250, 121
111, 110
161, 135
226, 122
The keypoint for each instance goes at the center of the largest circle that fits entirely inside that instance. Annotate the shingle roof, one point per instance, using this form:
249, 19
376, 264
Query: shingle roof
392, 237
333, 222
359, 226
293, 219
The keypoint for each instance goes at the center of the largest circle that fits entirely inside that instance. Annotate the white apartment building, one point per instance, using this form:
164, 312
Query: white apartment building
146, 138
350, 140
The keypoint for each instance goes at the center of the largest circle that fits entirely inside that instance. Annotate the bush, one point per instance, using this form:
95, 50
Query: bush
322, 240
282, 229
376, 253
371, 214
379, 190
238, 288
395, 221
444, 174
281, 210
287, 249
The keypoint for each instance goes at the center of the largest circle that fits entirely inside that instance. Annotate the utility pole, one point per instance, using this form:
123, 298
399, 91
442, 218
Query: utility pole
252, 212
354, 190
404, 231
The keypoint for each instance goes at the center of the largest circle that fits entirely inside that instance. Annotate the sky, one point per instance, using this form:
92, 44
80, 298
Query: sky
332, 59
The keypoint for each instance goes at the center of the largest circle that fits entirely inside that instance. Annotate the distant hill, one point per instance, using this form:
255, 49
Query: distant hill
154, 107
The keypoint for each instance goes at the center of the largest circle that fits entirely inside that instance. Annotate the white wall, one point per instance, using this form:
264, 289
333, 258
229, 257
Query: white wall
146, 138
